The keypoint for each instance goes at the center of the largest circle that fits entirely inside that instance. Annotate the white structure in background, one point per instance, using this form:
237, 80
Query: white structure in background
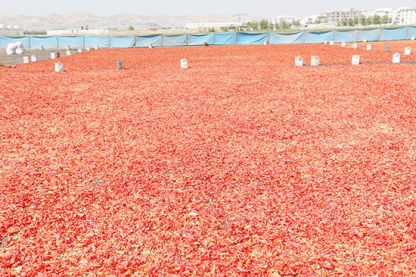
405, 16
399, 16
8, 30
15, 48
285, 18
335, 17
80, 31
206, 25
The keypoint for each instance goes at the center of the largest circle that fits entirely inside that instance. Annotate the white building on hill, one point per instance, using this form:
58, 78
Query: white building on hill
7, 30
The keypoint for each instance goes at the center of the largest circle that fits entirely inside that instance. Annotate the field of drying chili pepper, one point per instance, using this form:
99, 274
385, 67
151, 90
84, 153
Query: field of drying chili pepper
240, 165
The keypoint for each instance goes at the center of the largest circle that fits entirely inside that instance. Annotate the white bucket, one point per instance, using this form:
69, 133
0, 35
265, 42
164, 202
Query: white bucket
88, 49
96, 47
331, 43
299, 61
369, 47
184, 63
325, 42
315, 61
25, 59
33, 58
53, 55
343, 44
79, 50
412, 38
355, 45
355, 59
68, 52
396, 58
364, 40
59, 67
408, 51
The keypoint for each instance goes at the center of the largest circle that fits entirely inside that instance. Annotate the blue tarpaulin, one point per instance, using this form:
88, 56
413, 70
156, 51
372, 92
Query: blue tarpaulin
252, 38
394, 34
122, 41
45, 42
72, 42
225, 38
411, 33
369, 35
285, 38
230, 38
4, 41
201, 39
100, 41
317, 37
173, 40
345, 36
146, 41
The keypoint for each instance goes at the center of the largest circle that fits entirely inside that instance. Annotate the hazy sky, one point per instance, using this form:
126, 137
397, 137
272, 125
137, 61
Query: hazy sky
192, 7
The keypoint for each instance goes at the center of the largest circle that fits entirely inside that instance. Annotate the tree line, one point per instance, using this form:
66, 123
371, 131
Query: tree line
365, 20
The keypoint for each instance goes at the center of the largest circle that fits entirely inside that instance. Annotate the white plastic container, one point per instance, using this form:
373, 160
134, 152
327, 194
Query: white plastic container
88, 49
396, 58
96, 47
79, 50
25, 59
331, 43
356, 59
369, 47
59, 67
408, 51
354, 45
53, 55
343, 44
299, 61
34, 58
315, 61
68, 52
412, 38
364, 40
184, 63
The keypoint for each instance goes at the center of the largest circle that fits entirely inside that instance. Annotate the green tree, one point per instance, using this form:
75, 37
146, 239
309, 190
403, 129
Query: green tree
344, 22
131, 28
356, 20
369, 20
296, 23
350, 22
264, 24
377, 19
284, 25
362, 20
385, 19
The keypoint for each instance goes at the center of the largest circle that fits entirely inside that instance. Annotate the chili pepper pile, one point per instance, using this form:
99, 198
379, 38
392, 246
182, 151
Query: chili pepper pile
242, 164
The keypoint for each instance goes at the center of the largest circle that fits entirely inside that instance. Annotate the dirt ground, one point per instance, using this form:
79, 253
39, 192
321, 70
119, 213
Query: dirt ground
40, 54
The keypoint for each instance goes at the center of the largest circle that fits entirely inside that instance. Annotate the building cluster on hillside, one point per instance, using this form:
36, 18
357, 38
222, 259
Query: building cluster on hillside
397, 16
332, 19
